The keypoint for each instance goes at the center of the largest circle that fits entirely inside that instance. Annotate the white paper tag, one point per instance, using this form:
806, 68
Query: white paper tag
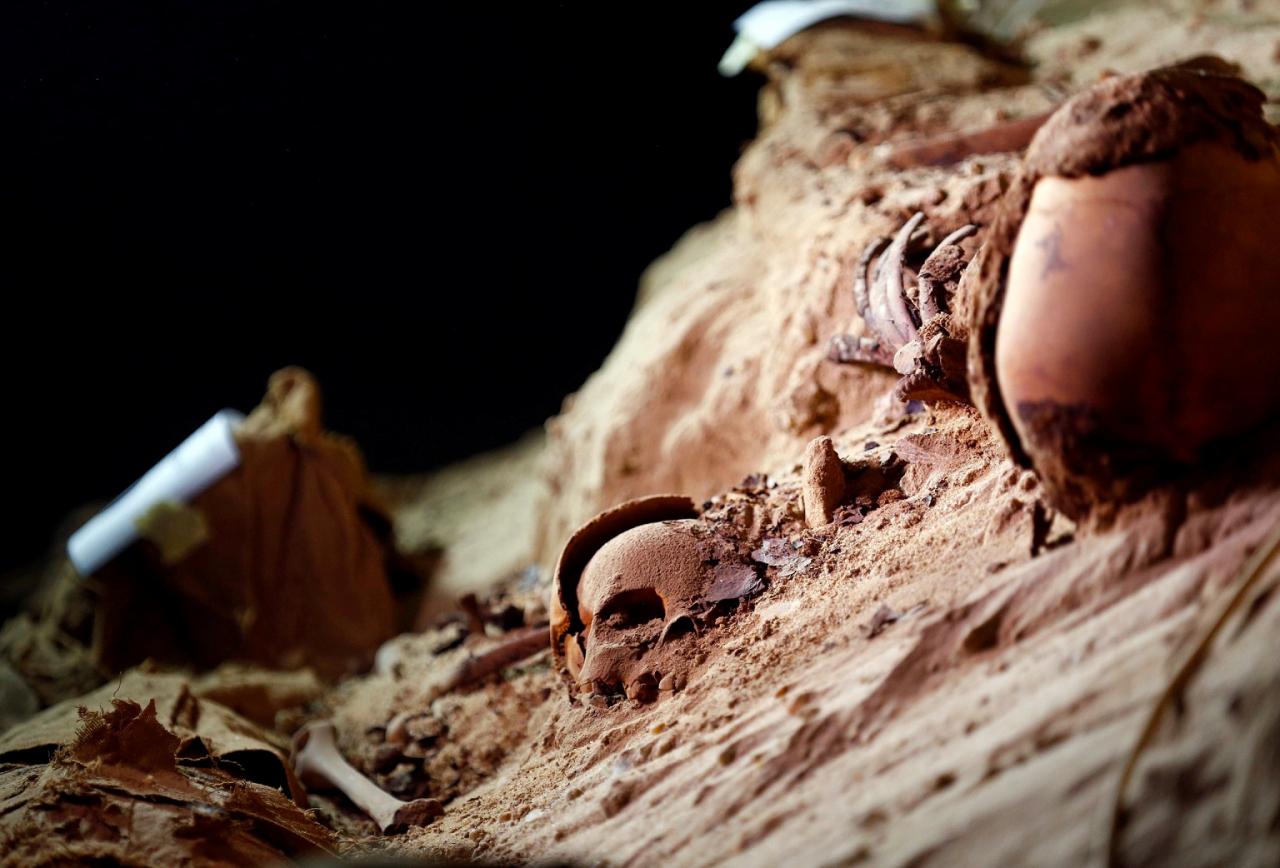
767, 25
201, 460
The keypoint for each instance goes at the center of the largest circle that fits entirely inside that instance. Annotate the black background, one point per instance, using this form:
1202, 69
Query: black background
441, 209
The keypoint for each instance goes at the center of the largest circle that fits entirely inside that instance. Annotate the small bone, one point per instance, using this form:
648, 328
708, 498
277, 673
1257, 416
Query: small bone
643, 689
907, 357
318, 763
470, 606
953, 147
398, 728
514, 647
847, 348
888, 286
861, 299
823, 482
479, 615
929, 307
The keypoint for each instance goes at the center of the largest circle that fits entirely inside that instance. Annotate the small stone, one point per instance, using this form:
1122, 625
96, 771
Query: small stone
424, 727
642, 690
386, 757
598, 700
892, 495
883, 617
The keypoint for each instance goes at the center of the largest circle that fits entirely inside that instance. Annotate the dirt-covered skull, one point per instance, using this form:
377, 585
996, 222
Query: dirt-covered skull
630, 589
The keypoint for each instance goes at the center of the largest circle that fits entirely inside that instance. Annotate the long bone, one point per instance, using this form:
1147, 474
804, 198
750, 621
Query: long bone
318, 763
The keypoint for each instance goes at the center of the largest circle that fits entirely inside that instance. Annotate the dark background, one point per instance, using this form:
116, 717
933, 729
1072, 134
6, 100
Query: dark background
440, 209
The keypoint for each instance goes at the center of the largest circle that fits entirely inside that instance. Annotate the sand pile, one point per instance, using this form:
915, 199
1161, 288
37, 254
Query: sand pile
956, 675
933, 667
933, 676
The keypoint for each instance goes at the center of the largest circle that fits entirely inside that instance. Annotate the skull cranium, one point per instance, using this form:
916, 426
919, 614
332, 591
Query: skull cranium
629, 589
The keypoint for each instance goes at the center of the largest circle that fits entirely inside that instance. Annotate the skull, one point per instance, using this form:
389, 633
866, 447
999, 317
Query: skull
629, 589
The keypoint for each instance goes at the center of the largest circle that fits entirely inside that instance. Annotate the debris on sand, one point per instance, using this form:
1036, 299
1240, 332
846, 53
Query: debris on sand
125, 788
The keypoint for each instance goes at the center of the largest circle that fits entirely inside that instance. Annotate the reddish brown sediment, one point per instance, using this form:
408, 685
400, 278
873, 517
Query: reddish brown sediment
723, 369
1137, 118
986, 716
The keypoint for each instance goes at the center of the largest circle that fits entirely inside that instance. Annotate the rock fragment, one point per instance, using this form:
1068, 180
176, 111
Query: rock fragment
823, 482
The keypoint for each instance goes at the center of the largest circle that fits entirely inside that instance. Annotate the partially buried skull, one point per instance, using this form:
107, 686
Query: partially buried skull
631, 587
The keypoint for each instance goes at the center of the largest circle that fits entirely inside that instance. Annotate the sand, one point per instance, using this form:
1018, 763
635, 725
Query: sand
947, 672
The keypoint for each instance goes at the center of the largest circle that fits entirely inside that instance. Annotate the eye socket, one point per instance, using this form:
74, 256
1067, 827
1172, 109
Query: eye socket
633, 608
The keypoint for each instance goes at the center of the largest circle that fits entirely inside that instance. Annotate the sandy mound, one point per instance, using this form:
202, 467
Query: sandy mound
956, 677
946, 672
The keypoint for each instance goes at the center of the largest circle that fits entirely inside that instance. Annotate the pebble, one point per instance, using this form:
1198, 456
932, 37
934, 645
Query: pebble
823, 485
